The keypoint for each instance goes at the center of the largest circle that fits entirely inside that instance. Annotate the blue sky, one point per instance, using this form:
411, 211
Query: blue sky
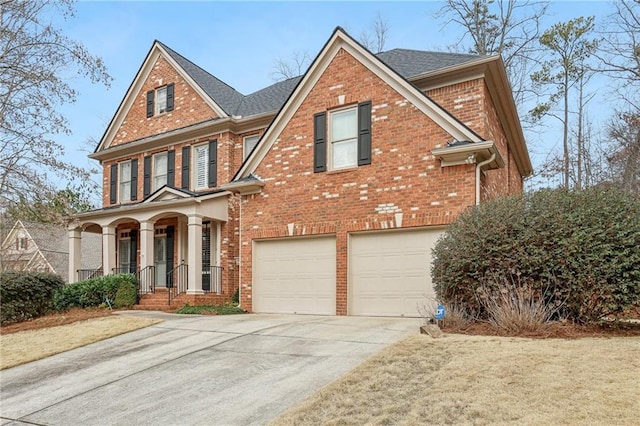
238, 42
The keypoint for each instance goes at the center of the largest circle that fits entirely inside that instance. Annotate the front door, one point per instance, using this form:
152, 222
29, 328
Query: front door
160, 260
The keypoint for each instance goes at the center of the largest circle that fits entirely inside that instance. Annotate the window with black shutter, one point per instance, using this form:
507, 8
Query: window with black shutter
160, 100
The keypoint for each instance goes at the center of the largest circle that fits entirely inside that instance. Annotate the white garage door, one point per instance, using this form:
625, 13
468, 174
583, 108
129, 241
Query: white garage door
390, 272
295, 276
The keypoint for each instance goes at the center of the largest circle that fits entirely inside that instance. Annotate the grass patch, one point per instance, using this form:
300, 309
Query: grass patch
211, 310
31, 345
484, 380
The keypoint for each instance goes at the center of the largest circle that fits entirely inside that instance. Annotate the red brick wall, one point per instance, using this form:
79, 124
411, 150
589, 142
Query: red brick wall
466, 101
189, 107
403, 178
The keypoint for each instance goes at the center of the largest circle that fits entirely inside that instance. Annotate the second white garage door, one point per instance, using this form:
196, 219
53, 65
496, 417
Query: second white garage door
390, 272
295, 276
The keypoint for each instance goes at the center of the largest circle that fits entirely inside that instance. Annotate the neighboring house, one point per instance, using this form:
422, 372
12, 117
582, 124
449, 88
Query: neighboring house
40, 247
321, 194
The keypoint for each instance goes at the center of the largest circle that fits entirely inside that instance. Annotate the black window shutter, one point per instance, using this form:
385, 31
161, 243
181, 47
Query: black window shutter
213, 163
147, 177
134, 180
113, 184
150, 103
364, 133
319, 142
186, 158
170, 238
171, 168
133, 253
170, 97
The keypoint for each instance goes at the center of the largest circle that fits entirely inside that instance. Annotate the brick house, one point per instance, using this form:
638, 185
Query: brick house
320, 194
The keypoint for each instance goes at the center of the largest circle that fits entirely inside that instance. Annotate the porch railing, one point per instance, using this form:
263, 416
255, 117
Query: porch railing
212, 279
85, 274
177, 281
147, 280
125, 270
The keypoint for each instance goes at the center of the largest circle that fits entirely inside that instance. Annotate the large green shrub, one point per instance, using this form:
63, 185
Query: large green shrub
578, 250
127, 294
26, 295
92, 292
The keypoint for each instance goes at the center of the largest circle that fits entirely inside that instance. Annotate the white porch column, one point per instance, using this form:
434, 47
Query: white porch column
108, 249
75, 253
194, 255
146, 244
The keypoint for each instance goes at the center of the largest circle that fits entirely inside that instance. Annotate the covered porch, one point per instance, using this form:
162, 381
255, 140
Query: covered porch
170, 241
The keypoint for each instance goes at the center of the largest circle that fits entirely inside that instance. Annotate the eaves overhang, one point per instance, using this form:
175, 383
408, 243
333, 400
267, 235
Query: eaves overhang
469, 153
252, 185
195, 131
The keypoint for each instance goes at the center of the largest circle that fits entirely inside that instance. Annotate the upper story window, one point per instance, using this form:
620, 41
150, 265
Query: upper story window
250, 142
160, 100
124, 189
205, 167
22, 243
343, 138
160, 170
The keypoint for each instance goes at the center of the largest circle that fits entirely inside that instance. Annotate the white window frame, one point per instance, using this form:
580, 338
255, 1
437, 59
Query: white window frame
351, 138
160, 105
124, 186
156, 157
205, 172
247, 140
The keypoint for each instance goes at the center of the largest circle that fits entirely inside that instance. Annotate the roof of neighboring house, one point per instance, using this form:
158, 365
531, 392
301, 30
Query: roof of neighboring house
53, 243
228, 98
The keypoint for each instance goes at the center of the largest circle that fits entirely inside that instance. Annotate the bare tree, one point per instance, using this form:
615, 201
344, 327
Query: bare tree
509, 28
284, 69
569, 46
375, 38
624, 160
37, 62
619, 51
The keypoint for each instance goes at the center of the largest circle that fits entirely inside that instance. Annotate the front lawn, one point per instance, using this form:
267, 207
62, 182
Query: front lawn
461, 379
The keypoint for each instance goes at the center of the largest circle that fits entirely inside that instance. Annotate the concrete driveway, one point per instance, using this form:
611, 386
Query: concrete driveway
194, 370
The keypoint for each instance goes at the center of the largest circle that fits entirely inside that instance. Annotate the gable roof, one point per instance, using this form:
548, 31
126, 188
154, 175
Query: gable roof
340, 39
225, 96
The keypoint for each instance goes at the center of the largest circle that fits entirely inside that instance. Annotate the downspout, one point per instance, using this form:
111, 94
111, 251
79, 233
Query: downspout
478, 167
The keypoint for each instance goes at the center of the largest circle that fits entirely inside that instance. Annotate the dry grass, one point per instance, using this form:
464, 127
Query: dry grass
31, 345
484, 380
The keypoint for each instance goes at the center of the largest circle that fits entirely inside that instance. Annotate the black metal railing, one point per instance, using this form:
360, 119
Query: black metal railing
177, 281
147, 280
85, 274
212, 279
125, 270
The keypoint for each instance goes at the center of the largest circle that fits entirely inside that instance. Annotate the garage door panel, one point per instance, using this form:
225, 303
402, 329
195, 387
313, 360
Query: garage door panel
389, 272
295, 276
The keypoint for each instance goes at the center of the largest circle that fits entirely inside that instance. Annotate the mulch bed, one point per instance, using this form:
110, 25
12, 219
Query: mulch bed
51, 320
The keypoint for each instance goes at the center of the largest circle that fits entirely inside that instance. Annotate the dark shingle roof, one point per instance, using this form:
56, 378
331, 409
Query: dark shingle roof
270, 98
409, 63
224, 95
406, 62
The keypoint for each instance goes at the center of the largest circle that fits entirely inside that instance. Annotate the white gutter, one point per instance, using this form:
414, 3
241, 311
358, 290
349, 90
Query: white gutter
478, 167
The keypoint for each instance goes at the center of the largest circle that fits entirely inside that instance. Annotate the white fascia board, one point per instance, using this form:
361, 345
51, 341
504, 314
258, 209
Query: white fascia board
340, 40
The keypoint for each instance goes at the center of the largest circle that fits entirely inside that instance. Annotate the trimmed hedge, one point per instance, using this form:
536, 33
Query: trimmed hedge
27, 295
94, 292
578, 250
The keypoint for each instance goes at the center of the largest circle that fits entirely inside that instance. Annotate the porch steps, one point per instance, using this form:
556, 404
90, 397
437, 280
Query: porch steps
158, 301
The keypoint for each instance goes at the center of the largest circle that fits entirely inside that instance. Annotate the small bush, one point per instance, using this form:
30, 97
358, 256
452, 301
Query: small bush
92, 292
127, 295
587, 243
211, 310
26, 295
